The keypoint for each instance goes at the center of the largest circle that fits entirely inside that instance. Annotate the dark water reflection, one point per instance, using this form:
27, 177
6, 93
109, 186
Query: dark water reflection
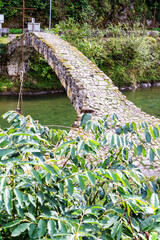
48, 109
148, 99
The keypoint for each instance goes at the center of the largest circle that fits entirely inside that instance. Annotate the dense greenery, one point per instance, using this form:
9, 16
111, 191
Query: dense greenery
15, 31
40, 75
128, 57
86, 197
98, 13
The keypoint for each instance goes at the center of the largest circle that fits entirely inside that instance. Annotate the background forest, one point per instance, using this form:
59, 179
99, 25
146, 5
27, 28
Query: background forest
101, 12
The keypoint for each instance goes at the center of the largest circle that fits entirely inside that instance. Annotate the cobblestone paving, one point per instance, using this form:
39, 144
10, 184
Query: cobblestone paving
88, 88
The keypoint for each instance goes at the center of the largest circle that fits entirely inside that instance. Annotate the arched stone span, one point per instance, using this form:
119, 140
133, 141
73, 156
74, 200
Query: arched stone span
88, 88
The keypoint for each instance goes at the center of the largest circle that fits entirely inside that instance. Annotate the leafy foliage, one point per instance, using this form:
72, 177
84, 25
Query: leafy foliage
126, 58
15, 31
40, 75
99, 12
66, 190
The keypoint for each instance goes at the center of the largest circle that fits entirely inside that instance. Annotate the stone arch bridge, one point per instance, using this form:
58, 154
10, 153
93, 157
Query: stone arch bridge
88, 88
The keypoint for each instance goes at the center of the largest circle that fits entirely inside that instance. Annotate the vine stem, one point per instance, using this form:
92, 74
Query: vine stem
130, 223
94, 198
76, 238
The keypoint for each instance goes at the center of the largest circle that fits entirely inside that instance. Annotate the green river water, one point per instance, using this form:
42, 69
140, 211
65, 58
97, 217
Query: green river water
148, 99
57, 110
53, 109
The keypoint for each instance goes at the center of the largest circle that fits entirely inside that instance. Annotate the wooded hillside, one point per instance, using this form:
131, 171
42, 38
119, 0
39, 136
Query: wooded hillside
100, 12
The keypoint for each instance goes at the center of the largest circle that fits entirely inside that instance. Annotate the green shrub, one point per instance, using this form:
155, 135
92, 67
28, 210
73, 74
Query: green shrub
156, 29
130, 60
84, 197
86, 39
15, 31
126, 59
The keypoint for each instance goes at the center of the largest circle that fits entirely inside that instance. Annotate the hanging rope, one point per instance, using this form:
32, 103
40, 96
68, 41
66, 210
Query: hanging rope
19, 104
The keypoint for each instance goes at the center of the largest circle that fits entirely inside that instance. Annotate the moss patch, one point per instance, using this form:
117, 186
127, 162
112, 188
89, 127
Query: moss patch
4, 40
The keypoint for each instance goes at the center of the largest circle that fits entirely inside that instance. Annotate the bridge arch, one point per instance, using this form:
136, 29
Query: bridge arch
87, 87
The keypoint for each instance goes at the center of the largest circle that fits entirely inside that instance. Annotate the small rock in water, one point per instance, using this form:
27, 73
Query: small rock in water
145, 85
156, 84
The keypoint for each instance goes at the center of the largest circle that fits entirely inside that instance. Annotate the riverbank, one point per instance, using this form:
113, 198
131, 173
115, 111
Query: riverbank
29, 93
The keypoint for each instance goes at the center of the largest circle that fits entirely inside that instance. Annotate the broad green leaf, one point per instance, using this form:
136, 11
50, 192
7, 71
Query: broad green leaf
144, 152
4, 152
93, 144
122, 141
147, 137
5, 115
119, 232
8, 200
152, 133
37, 176
2, 183
125, 153
40, 197
91, 177
156, 132
33, 231
154, 201
20, 229
70, 186
158, 152
51, 226
117, 142
114, 229
74, 169
111, 220
11, 117
85, 118
118, 131
62, 226
81, 182
31, 216
61, 188
112, 141
101, 193
32, 200
41, 228
154, 236
135, 224
139, 150
19, 197
154, 186
149, 221
50, 169
13, 223
143, 191
151, 154
73, 152
80, 146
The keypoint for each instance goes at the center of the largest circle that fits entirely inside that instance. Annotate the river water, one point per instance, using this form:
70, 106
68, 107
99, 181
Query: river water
56, 109
148, 99
53, 109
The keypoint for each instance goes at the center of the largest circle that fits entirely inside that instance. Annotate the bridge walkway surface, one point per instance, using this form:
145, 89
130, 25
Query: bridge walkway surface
88, 88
